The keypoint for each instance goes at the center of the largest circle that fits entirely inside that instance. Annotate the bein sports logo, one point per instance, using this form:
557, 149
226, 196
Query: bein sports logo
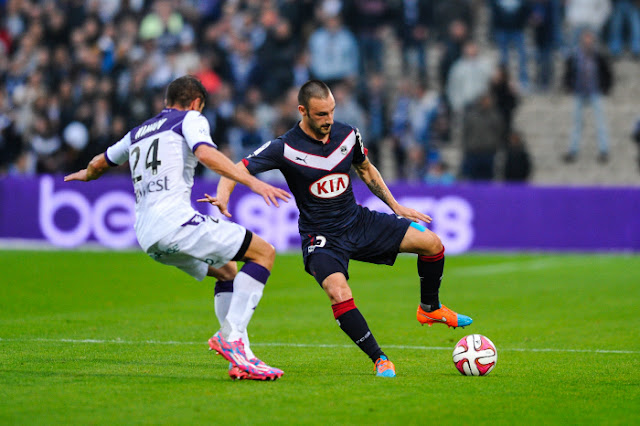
109, 219
330, 186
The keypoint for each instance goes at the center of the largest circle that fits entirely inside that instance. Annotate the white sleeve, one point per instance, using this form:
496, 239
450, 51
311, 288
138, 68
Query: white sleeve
118, 153
195, 129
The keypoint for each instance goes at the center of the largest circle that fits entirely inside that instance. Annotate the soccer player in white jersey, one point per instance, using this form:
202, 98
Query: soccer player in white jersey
163, 153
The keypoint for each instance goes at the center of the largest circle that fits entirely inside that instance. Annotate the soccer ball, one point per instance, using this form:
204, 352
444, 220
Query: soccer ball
475, 355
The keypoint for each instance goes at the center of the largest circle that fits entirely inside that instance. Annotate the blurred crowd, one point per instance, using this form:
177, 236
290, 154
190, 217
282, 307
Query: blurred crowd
76, 75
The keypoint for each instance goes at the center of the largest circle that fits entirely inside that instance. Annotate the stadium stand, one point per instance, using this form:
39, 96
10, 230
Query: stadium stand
74, 75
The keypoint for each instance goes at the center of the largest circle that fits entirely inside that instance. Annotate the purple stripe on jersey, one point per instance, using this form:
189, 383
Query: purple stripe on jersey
178, 128
223, 287
255, 271
109, 162
166, 120
203, 143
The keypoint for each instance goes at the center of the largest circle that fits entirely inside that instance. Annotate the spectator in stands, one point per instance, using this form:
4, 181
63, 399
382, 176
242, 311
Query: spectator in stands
244, 66
586, 15
164, 25
137, 104
413, 118
46, 145
588, 77
187, 57
300, 70
244, 136
509, 20
629, 11
482, 136
368, 19
57, 31
277, 55
375, 102
543, 20
208, 70
6, 41
219, 110
10, 140
15, 18
438, 173
505, 95
299, 13
286, 107
454, 41
265, 113
517, 165
414, 20
469, 78
333, 51
445, 12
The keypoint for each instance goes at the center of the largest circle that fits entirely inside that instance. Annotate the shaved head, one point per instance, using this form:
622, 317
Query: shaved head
313, 89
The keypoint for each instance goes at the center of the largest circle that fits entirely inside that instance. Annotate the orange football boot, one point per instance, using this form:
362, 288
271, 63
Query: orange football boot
443, 315
384, 367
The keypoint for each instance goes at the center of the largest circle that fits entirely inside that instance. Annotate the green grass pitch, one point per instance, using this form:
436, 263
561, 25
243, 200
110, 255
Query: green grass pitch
114, 338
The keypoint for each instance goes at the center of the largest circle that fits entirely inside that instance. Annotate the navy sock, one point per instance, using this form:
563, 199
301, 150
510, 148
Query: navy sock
355, 326
430, 269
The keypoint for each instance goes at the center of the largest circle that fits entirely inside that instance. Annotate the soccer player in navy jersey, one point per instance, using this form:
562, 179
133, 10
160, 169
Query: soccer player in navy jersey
162, 153
315, 157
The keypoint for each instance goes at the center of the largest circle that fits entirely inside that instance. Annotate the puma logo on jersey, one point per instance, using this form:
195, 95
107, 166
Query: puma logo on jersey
321, 162
330, 186
149, 128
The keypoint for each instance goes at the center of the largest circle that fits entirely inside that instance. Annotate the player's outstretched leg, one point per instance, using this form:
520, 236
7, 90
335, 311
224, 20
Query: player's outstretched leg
430, 250
355, 326
235, 303
330, 274
430, 310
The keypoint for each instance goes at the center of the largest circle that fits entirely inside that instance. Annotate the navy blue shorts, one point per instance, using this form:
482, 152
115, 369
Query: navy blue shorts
373, 237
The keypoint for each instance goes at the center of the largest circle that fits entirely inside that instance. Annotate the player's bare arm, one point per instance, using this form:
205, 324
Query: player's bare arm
96, 168
373, 179
221, 164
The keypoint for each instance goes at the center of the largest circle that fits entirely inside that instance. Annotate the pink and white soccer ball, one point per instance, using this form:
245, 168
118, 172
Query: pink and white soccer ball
475, 355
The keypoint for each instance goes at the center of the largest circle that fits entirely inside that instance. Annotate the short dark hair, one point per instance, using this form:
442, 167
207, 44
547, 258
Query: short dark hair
184, 90
312, 89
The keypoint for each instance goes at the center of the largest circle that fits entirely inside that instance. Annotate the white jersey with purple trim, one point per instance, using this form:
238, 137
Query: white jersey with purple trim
162, 163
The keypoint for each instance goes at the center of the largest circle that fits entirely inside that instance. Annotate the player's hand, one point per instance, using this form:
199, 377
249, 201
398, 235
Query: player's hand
270, 193
412, 214
79, 175
219, 203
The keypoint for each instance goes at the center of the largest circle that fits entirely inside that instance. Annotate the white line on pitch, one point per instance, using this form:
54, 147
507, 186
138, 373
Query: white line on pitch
306, 345
508, 267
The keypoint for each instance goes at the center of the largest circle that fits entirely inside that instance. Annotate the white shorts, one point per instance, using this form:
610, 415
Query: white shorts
201, 242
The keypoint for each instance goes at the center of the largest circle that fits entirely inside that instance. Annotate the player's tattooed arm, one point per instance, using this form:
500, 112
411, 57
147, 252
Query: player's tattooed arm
378, 190
372, 177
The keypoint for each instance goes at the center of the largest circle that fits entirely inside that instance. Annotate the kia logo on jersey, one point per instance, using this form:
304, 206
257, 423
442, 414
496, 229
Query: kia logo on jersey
330, 186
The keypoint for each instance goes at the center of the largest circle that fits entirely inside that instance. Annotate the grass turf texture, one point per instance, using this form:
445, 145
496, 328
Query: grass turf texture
147, 359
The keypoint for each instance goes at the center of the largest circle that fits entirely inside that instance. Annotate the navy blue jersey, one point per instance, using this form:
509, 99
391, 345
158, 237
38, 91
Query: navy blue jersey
317, 174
